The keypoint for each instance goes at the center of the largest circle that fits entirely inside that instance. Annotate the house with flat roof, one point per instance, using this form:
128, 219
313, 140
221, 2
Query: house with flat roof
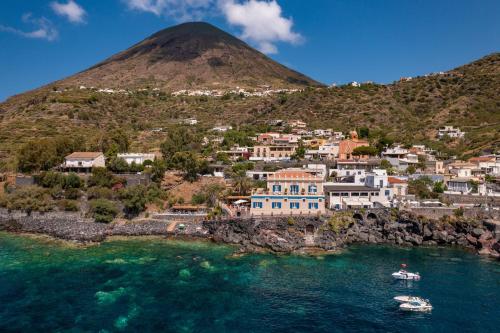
459, 185
371, 191
348, 196
289, 192
450, 131
137, 158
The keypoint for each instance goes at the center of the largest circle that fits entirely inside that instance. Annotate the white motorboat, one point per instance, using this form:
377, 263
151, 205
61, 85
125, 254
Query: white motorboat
406, 299
419, 305
404, 275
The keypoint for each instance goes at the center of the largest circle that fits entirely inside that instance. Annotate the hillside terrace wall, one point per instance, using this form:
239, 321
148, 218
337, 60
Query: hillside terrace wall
471, 199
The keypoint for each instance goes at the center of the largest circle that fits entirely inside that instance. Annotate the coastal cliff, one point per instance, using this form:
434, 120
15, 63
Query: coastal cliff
279, 234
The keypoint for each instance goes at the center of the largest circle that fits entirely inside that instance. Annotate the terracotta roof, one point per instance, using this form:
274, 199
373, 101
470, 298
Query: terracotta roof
84, 154
482, 159
394, 180
347, 146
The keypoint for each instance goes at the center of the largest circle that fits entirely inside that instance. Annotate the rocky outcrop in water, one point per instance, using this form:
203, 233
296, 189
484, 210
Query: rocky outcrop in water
289, 234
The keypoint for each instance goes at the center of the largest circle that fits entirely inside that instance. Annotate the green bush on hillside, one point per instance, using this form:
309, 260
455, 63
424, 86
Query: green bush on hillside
103, 211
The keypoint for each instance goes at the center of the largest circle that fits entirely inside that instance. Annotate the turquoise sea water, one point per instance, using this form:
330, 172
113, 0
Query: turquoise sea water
154, 285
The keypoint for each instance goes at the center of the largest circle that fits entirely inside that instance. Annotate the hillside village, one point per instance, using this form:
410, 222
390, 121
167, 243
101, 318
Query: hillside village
285, 171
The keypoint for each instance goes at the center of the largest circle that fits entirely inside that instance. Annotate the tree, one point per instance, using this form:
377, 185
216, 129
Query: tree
44, 154
422, 159
103, 211
300, 152
117, 164
102, 177
189, 163
240, 137
72, 181
241, 183
438, 187
158, 169
384, 142
243, 166
363, 132
223, 157
421, 188
212, 192
385, 164
365, 150
411, 169
179, 139
134, 199
134, 167
115, 142
474, 185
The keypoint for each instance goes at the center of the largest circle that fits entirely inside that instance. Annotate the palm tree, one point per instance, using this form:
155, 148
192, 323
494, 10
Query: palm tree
241, 183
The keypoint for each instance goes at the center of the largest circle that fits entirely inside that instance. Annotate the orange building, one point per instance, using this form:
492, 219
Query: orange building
347, 146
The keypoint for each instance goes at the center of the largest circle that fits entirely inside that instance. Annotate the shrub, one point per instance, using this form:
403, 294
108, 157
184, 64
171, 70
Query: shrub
72, 181
459, 212
51, 179
68, 205
340, 221
72, 193
29, 198
100, 193
103, 211
103, 178
198, 198
134, 199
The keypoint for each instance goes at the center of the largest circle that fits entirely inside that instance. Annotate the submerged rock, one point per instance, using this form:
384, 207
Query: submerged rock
184, 273
109, 297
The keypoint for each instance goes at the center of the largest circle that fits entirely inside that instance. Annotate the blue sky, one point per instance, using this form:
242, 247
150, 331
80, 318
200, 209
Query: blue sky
329, 40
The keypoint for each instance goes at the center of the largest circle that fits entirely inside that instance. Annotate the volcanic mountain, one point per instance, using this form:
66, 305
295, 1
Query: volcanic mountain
190, 56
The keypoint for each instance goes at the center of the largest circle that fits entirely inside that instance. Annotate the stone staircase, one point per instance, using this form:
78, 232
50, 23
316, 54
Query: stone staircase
309, 240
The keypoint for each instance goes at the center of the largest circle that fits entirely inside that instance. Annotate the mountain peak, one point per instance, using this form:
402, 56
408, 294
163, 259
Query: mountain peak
191, 55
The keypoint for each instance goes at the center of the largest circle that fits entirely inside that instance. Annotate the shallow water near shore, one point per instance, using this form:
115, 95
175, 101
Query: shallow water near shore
155, 285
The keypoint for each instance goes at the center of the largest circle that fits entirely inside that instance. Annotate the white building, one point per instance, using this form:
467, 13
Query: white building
84, 161
368, 190
377, 178
137, 158
327, 151
459, 186
190, 121
222, 129
450, 131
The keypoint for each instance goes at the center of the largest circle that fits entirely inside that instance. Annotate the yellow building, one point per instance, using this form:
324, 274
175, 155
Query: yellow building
289, 192
272, 152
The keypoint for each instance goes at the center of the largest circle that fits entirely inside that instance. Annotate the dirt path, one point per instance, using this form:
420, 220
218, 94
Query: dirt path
171, 226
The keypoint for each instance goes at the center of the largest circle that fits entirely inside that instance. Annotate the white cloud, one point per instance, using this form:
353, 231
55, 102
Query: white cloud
262, 23
179, 10
44, 29
71, 10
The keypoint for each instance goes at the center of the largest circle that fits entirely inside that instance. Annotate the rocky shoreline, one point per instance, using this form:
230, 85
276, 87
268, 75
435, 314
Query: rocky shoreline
74, 227
404, 229
278, 234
